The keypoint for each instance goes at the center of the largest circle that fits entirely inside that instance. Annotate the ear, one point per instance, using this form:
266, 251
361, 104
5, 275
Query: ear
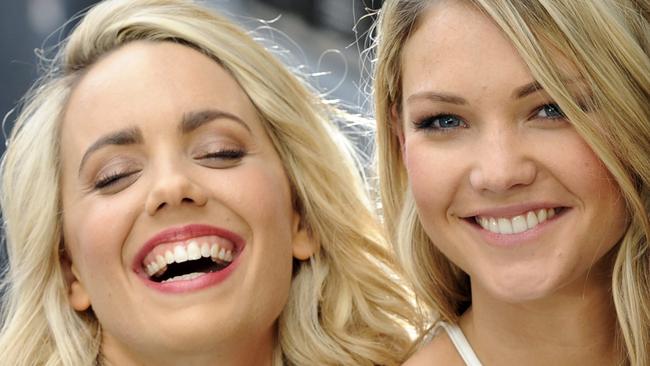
77, 294
396, 126
304, 247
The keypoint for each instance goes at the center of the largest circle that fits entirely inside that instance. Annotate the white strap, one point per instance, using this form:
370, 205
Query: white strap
461, 344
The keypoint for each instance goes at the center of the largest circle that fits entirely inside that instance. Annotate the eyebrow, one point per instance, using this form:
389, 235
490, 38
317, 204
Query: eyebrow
133, 135
535, 86
438, 97
518, 93
527, 89
127, 136
193, 120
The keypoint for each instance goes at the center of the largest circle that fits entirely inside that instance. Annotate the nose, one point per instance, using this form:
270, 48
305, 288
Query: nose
172, 187
503, 162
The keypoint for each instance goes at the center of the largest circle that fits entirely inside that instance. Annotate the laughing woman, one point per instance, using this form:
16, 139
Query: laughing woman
514, 161
173, 195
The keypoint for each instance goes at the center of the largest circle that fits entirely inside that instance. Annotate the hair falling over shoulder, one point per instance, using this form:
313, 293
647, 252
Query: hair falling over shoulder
608, 42
347, 305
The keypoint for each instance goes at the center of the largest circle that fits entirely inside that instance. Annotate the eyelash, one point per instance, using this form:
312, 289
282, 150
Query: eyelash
555, 107
225, 154
110, 179
114, 177
433, 123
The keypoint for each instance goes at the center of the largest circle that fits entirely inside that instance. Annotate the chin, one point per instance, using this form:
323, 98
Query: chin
513, 288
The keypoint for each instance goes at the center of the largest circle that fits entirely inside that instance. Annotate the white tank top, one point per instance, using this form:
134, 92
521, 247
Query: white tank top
460, 342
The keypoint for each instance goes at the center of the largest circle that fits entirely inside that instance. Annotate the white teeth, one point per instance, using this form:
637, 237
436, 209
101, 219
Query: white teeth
169, 257
221, 254
517, 224
162, 263
505, 227
193, 251
155, 267
494, 225
205, 250
180, 254
185, 277
483, 221
531, 219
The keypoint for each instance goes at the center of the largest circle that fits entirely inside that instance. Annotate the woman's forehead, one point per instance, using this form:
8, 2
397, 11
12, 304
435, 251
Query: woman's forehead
145, 80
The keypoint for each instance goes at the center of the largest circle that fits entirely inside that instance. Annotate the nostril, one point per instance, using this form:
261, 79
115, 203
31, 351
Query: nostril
175, 190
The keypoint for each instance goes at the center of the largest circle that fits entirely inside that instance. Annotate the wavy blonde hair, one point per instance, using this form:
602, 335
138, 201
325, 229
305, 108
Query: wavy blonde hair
346, 305
608, 42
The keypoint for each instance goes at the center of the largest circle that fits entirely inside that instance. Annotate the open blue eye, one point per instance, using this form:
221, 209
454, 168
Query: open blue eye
440, 122
550, 111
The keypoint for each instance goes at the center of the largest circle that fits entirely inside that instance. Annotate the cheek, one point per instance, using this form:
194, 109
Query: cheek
601, 197
95, 233
435, 178
260, 194
432, 178
262, 200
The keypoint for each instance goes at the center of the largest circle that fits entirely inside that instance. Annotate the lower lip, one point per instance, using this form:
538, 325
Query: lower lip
518, 239
199, 283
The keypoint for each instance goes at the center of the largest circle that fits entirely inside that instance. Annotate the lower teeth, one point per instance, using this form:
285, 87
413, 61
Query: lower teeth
185, 277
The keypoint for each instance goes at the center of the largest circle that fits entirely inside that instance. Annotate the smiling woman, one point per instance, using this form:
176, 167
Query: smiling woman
513, 141
173, 195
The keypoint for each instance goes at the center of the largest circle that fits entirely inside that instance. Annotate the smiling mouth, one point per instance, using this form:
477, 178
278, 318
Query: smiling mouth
517, 224
188, 260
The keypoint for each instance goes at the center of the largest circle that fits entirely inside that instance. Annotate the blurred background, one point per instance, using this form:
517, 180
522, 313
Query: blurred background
324, 37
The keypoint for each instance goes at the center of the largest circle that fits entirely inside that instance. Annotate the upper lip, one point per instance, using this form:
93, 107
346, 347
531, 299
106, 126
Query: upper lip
181, 233
511, 210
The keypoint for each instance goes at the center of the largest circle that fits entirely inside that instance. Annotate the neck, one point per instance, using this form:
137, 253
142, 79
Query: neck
573, 327
236, 353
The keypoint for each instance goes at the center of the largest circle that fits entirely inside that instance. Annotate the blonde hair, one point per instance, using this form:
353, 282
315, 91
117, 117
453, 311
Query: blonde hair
346, 305
608, 42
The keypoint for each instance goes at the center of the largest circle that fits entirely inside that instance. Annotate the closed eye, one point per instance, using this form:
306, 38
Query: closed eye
221, 159
111, 179
225, 154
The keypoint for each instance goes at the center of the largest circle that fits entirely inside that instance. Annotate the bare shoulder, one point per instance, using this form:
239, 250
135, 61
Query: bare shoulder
439, 352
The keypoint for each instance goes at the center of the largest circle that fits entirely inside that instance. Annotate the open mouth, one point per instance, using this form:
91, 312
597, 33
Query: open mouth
184, 261
516, 224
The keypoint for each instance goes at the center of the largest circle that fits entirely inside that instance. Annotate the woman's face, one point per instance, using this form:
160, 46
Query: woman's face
503, 184
177, 211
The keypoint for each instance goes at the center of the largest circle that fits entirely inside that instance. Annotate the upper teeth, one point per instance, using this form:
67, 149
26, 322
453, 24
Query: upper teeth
517, 224
182, 253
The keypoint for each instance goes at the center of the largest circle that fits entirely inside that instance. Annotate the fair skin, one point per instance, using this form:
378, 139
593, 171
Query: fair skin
484, 147
186, 147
